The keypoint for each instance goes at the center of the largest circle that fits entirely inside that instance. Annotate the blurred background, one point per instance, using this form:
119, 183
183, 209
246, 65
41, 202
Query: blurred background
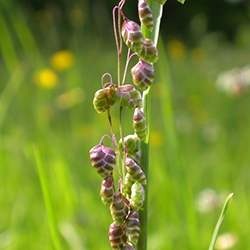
52, 56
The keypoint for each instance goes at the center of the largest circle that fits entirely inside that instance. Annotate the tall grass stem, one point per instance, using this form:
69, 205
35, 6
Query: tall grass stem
157, 13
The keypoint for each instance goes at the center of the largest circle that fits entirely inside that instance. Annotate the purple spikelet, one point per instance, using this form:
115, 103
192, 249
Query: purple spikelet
103, 159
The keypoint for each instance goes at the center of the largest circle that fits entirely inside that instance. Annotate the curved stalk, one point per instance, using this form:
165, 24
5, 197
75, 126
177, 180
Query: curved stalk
157, 12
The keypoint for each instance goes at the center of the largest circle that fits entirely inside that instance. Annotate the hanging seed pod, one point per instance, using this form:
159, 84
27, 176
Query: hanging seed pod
133, 228
137, 196
139, 123
149, 52
143, 74
107, 190
135, 170
145, 14
128, 247
132, 36
130, 97
103, 159
131, 143
116, 236
127, 184
118, 208
104, 98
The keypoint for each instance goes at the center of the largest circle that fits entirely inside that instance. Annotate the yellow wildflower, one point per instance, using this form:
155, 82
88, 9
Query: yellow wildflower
46, 78
62, 60
156, 139
177, 49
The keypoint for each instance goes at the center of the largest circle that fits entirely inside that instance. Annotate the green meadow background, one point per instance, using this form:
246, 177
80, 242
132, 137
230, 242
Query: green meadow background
52, 56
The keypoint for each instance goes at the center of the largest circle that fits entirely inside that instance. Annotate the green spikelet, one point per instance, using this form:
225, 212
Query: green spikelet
145, 14
131, 143
127, 184
104, 98
128, 247
118, 208
133, 228
149, 52
107, 190
135, 170
139, 123
137, 196
129, 95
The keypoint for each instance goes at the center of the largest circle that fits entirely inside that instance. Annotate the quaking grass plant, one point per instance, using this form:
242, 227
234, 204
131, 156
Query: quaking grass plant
129, 154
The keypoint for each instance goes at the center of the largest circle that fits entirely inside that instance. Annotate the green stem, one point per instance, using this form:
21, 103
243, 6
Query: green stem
157, 12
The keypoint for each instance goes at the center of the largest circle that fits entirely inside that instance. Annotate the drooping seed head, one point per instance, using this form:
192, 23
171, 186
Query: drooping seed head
104, 98
143, 74
139, 123
118, 208
133, 228
103, 159
116, 236
137, 196
149, 52
132, 36
107, 190
145, 14
129, 95
135, 170
131, 143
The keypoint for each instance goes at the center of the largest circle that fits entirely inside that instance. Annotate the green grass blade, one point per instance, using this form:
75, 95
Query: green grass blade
47, 200
220, 221
10, 91
7, 48
165, 100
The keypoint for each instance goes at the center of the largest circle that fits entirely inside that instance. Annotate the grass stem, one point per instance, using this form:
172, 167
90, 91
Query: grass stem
157, 12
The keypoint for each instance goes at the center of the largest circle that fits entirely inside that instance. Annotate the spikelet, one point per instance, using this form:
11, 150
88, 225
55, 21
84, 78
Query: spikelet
143, 74
149, 52
131, 143
118, 208
107, 190
128, 247
135, 170
103, 159
133, 228
132, 36
137, 196
145, 14
139, 123
116, 236
130, 97
127, 184
104, 98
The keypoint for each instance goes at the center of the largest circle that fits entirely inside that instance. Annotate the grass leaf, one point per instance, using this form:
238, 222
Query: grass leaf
47, 200
220, 221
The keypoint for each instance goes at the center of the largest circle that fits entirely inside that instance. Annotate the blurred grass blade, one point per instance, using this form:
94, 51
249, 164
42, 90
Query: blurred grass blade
7, 48
25, 35
220, 221
47, 200
10, 91
166, 108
